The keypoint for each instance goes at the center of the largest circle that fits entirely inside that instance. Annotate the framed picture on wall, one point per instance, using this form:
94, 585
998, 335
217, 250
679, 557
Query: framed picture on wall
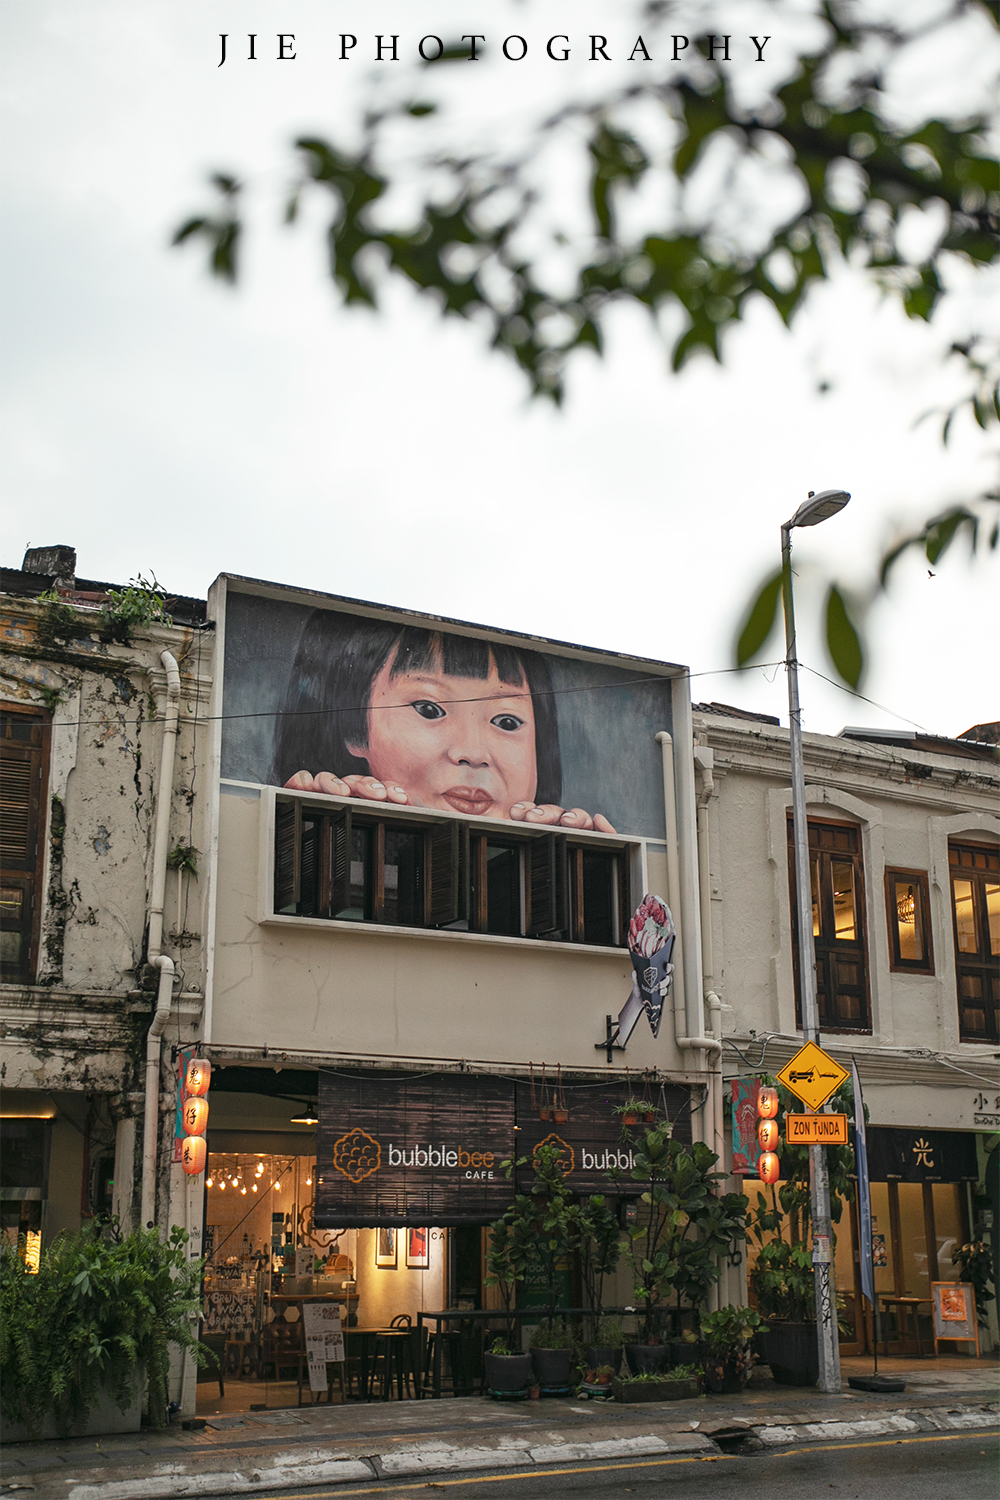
418, 1250
386, 1249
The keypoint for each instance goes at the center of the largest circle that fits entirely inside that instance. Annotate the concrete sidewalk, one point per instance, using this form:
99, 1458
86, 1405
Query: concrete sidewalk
267, 1451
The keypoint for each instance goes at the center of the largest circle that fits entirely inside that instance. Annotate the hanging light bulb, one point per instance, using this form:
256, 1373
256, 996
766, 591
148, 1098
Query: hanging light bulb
222, 1187
253, 1187
209, 1182
309, 1182
243, 1191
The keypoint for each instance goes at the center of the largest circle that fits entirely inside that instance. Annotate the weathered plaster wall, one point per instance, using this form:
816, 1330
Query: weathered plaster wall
324, 988
81, 1025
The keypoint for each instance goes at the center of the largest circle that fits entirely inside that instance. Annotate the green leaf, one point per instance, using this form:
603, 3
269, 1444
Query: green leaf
842, 639
759, 620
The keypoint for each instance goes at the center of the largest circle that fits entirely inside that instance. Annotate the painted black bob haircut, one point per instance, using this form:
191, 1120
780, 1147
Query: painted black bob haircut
336, 663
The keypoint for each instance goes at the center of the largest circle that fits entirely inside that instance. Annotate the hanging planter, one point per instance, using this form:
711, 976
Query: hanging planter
544, 1102
560, 1112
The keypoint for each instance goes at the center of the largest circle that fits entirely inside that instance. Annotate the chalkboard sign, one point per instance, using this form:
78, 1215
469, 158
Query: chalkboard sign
954, 1313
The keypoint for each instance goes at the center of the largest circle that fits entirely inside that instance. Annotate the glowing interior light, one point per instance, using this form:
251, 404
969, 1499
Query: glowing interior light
210, 1182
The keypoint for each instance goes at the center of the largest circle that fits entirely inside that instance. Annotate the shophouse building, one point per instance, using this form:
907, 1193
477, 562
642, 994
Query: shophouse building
398, 987
903, 836
104, 771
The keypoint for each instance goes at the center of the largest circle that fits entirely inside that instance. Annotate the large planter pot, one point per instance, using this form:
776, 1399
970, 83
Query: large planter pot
104, 1417
647, 1359
552, 1366
683, 1353
596, 1356
507, 1372
727, 1382
634, 1391
790, 1350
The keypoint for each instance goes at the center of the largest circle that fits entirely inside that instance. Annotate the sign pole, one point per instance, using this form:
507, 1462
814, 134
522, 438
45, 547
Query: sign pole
819, 1182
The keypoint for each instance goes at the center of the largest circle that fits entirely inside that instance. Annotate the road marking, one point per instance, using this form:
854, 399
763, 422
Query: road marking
648, 1463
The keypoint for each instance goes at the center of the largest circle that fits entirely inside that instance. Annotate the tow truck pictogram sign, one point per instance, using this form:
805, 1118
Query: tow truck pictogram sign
812, 1076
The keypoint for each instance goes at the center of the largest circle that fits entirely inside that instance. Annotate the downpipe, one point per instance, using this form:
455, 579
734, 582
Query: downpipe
708, 1045
155, 957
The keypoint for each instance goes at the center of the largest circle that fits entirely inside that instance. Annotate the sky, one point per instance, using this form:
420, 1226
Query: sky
161, 422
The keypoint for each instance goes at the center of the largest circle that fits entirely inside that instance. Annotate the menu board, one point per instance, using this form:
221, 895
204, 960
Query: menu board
954, 1312
324, 1340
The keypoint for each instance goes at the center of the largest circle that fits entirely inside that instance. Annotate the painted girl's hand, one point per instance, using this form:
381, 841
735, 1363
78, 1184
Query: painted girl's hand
548, 813
365, 787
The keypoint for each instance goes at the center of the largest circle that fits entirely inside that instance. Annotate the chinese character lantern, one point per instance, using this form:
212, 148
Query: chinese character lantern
199, 1076
194, 1154
768, 1167
767, 1134
767, 1102
195, 1116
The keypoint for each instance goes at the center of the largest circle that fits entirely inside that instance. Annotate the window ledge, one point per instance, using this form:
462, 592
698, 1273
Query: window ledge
386, 929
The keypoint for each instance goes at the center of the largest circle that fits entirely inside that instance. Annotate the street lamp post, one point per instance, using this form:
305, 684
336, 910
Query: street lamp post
816, 509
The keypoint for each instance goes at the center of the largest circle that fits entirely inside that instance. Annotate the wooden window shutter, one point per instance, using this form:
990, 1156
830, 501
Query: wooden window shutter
23, 787
339, 831
625, 901
548, 885
446, 874
287, 855
309, 862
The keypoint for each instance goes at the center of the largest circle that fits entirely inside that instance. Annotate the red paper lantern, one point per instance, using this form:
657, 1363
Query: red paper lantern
199, 1076
768, 1167
195, 1116
194, 1154
767, 1102
767, 1134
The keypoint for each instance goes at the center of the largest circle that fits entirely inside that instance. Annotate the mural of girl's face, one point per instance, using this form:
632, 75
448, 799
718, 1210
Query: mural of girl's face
445, 751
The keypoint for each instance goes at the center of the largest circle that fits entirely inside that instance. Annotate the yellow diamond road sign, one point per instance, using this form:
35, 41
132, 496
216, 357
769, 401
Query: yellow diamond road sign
812, 1075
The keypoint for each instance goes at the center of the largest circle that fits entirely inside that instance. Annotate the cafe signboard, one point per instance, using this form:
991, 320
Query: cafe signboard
396, 1148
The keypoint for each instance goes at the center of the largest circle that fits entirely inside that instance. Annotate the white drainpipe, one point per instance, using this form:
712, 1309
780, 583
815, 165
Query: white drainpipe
156, 959
678, 908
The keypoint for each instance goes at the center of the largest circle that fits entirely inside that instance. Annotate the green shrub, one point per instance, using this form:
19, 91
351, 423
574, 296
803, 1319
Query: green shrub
137, 605
100, 1307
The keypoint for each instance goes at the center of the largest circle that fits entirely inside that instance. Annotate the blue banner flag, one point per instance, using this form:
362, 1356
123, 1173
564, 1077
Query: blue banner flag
864, 1190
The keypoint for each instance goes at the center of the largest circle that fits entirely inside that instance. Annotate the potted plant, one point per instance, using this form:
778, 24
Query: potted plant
79, 1338
630, 1111
680, 1384
552, 1355
599, 1249
607, 1346
781, 1279
507, 1370
728, 1339
687, 1227
535, 1236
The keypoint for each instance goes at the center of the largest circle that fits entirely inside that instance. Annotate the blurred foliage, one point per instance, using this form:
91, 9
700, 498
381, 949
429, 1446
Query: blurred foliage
474, 243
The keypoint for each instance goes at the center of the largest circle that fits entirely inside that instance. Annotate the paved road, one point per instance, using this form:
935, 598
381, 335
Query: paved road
958, 1467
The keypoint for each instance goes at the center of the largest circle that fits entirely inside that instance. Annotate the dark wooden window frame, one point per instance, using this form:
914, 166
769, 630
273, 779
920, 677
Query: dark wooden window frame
898, 964
983, 965
26, 873
311, 867
826, 949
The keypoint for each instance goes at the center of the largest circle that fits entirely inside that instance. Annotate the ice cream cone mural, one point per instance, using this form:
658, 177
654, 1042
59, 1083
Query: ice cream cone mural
650, 943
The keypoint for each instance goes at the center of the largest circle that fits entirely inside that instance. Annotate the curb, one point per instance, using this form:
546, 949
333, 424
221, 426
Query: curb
429, 1457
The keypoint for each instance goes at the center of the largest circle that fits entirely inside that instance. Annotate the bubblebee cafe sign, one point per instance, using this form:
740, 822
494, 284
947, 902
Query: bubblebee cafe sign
397, 1148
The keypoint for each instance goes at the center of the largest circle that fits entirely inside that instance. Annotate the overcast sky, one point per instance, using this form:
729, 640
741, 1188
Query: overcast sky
157, 420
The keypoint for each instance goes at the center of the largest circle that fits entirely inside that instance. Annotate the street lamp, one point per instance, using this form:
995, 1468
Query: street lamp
816, 509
